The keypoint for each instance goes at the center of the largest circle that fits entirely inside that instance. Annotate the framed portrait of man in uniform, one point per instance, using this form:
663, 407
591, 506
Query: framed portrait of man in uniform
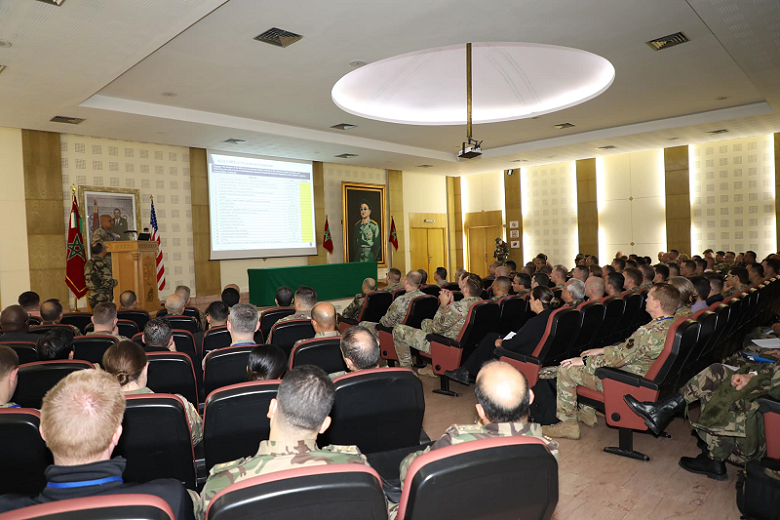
114, 210
364, 222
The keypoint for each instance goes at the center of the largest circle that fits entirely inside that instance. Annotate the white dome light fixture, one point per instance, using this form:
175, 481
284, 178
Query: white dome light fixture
510, 81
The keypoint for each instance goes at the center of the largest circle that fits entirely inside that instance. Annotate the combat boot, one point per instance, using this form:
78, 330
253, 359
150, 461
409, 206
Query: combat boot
461, 375
703, 465
658, 415
563, 430
426, 371
587, 416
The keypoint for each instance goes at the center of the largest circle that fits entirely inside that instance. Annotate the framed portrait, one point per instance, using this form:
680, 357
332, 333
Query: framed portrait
365, 234
121, 204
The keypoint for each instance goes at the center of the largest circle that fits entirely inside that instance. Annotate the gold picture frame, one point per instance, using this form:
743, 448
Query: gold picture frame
360, 238
106, 201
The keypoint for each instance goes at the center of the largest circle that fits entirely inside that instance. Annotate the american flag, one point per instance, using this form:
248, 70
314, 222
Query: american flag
156, 238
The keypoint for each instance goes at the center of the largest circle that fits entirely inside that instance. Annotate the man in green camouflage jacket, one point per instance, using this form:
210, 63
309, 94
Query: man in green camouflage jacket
736, 281
500, 288
393, 280
635, 355
298, 414
448, 321
400, 306
97, 274
353, 309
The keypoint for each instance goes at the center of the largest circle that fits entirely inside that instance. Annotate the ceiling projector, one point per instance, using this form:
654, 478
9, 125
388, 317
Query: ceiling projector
474, 149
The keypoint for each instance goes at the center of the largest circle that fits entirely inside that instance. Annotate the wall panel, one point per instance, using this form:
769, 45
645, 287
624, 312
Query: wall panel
14, 256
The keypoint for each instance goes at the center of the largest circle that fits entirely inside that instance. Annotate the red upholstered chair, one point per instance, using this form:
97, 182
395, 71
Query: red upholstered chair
109, 507
43, 329
613, 314
35, 379
270, 316
226, 366
634, 304
591, 316
451, 286
285, 334
708, 326
348, 491
375, 305
24, 349
770, 408
80, 320
172, 373
420, 308
555, 346
91, 348
431, 290
215, 338
26, 456
398, 292
500, 478
448, 354
139, 316
661, 380
513, 313
320, 352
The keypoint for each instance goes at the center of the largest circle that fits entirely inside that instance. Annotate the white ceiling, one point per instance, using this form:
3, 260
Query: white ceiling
110, 62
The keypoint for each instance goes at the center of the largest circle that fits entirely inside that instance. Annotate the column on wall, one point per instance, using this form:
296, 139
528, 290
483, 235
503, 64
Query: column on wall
319, 213
455, 225
678, 200
587, 207
14, 263
43, 205
513, 201
207, 273
777, 187
395, 204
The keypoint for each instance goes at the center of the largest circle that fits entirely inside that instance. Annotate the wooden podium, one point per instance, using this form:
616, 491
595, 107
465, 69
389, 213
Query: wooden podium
133, 265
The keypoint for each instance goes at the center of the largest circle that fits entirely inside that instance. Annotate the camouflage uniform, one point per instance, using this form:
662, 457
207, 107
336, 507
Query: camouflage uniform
395, 314
334, 375
683, 311
352, 311
196, 423
117, 336
576, 303
101, 235
646, 285
302, 315
722, 267
274, 456
326, 334
635, 355
392, 287
524, 292
440, 283
733, 291
366, 241
496, 298
97, 274
448, 321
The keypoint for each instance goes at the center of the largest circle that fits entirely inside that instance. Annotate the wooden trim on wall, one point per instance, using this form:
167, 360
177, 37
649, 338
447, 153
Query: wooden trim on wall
587, 207
208, 279
483, 219
455, 221
318, 174
513, 202
395, 208
678, 199
417, 220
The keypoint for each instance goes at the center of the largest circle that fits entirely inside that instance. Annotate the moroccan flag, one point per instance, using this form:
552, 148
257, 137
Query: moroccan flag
74, 270
327, 241
393, 235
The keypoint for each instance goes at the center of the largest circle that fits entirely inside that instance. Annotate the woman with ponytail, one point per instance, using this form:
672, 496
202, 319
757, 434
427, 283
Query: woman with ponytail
128, 364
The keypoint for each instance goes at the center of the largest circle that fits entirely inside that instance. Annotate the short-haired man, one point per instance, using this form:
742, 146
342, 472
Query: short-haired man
242, 323
174, 305
98, 277
736, 281
756, 273
9, 376
397, 311
448, 321
573, 293
127, 300
393, 280
540, 279
725, 265
674, 255
459, 274
305, 299
440, 276
702, 287
501, 270
424, 276
619, 265
158, 336
284, 296
521, 284
716, 287
360, 350
353, 309
701, 267
323, 321
105, 321
558, 276
298, 414
492, 270
104, 233
594, 288
661, 273
216, 316
581, 273
635, 355
750, 258
14, 321
51, 313
230, 296
615, 284
633, 278
674, 269
31, 303
771, 267
688, 269
81, 423
500, 288
184, 292
512, 265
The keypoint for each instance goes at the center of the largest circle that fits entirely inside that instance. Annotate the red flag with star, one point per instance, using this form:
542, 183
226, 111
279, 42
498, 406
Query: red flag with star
327, 241
76, 254
393, 235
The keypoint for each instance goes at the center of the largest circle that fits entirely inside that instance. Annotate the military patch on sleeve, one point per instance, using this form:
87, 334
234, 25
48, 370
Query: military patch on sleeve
630, 343
226, 465
349, 450
469, 428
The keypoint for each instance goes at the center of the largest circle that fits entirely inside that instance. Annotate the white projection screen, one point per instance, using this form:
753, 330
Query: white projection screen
260, 207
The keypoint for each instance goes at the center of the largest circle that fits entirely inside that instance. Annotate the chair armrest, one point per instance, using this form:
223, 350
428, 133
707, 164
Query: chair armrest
502, 352
767, 404
382, 328
347, 320
444, 340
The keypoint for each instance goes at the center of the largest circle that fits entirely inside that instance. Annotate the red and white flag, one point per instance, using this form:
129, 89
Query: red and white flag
327, 241
156, 238
76, 257
393, 234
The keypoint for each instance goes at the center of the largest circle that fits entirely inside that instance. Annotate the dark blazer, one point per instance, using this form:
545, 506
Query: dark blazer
529, 335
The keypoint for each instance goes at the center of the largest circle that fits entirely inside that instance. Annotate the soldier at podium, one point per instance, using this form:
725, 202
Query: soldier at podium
97, 274
104, 233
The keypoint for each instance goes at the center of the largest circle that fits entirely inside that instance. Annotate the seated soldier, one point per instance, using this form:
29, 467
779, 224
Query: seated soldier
558, 276
31, 303
127, 301
230, 296
448, 322
393, 280
674, 269
459, 274
648, 273
756, 273
661, 273
323, 320
614, 284
397, 311
158, 336
284, 296
573, 293
174, 305
736, 281
727, 422
500, 287
15, 325
716, 287
55, 345
9, 376
105, 321
502, 270
305, 299
540, 279
635, 355
594, 288
216, 316
521, 284
702, 287
581, 273
440, 276
298, 414
353, 309
242, 323
51, 314
127, 362
633, 277
688, 269
266, 362
360, 350
81, 422
687, 296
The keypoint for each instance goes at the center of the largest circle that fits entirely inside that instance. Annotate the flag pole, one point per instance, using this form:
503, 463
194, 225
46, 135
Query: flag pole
75, 306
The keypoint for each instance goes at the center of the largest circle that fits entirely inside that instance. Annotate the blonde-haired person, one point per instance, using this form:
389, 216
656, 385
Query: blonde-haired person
687, 295
81, 422
127, 362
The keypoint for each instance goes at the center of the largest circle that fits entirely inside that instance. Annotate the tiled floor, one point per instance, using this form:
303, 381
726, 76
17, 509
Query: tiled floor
598, 485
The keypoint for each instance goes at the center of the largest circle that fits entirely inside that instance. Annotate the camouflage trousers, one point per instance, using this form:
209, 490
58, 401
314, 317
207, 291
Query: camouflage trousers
96, 297
568, 381
405, 338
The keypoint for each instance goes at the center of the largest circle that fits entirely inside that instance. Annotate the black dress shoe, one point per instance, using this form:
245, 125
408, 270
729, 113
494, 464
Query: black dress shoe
461, 375
703, 465
658, 415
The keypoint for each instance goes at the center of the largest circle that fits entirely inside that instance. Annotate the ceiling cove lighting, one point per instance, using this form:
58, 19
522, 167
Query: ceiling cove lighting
511, 81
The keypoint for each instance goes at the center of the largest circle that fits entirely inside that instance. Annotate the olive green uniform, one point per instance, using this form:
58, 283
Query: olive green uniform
99, 281
396, 313
367, 241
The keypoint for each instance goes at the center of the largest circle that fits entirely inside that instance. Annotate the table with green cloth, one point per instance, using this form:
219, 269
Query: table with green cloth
331, 281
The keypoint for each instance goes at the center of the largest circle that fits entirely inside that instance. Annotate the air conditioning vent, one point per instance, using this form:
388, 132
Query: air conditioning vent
718, 132
344, 126
425, 166
53, 2
563, 125
346, 155
665, 42
278, 37
520, 160
68, 120
608, 147
233, 140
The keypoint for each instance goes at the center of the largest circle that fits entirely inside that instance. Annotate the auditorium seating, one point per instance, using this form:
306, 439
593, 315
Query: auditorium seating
109, 507
126, 328
270, 316
43, 329
770, 409
591, 316
34, 320
91, 348
634, 303
332, 491
213, 339
35, 379
235, 420
187, 323
513, 313
24, 349
225, 366
25, 456
708, 325
513, 477
398, 292
80, 320
192, 312
431, 290
172, 373
420, 308
613, 313
139, 316
285, 334
457, 296
379, 409
156, 440
321, 352
451, 286
375, 305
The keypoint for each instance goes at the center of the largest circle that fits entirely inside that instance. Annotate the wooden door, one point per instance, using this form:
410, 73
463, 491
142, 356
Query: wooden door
477, 254
436, 256
419, 248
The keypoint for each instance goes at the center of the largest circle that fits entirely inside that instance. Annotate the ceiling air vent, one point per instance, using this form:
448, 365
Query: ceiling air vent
278, 37
344, 126
563, 125
68, 120
53, 2
346, 155
233, 140
665, 42
520, 160
425, 166
608, 147
718, 132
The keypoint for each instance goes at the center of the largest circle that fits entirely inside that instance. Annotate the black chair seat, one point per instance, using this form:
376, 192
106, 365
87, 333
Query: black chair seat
172, 373
80, 320
270, 316
91, 348
140, 317
22, 466
24, 349
320, 352
35, 379
285, 334
226, 366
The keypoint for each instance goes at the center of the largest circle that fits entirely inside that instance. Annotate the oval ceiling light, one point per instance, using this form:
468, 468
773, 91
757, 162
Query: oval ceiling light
510, 81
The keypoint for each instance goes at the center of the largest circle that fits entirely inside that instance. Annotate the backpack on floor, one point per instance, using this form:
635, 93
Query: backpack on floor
544, 407
758, 494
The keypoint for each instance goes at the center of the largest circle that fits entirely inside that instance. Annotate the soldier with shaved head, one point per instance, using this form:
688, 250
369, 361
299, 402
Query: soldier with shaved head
400, 306
323, 320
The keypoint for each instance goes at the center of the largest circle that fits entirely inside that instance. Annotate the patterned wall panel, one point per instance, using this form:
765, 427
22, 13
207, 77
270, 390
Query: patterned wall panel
159, 170
550, 212
733, 195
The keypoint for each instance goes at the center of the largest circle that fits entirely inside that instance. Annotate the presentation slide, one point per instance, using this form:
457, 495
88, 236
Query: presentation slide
259, 207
